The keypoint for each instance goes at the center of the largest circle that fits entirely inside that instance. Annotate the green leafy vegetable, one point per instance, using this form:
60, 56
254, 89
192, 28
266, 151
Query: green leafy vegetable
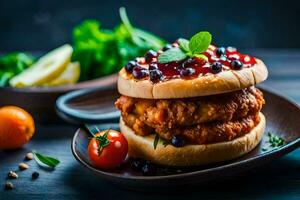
193, 48
102, 52
46, 160
173, 54
200, 42
13, 64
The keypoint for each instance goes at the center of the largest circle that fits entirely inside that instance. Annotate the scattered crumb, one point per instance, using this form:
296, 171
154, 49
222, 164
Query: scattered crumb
23, 166
29, 156
12, 175
9, 186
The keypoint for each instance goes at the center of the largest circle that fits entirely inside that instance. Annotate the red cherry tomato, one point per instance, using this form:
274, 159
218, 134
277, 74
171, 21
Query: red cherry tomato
112, 153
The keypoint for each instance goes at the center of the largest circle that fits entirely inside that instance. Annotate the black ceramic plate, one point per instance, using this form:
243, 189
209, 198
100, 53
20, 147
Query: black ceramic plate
283, 119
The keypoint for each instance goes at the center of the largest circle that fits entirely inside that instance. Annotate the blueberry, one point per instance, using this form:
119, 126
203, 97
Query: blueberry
220, 51
138, 164
139, 72
188, 63
187, 72
236, 64
130, 65
216, 67
149, 170
150, 55
178, 141
153, 66
155, 75
167, 47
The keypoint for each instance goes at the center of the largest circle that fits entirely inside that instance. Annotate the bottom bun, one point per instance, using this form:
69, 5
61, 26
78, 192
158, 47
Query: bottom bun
192, 155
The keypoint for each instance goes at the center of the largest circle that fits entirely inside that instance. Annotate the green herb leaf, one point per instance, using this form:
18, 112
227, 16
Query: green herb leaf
155, 142
153, 41
165, 142
200, 42
202, 56
46, 160
184, 44
129, 27
275, 141
173, 54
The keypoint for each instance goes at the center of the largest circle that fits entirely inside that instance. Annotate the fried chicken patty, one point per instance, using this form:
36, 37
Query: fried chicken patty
199, 120
204, 133
173, 113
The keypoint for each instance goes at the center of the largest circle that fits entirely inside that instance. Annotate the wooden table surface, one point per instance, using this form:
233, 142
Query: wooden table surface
277, 180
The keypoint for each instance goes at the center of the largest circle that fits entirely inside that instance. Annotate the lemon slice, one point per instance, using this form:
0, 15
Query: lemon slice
69, 76
47, 68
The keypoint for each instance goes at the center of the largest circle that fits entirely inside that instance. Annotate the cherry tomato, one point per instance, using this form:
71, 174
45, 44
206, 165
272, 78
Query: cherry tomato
108, 149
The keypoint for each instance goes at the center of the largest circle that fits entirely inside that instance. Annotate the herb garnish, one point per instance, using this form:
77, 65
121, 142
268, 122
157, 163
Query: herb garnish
103, 141
155, 142
193, 48
163, 141
274, 141
166, 142
45, 160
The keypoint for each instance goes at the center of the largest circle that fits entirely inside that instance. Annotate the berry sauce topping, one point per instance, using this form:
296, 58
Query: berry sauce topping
217, 60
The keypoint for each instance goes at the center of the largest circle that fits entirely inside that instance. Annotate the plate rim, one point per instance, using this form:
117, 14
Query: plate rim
283, 149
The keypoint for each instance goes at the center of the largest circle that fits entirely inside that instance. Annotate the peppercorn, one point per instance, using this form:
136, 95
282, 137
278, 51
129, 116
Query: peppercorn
35, 175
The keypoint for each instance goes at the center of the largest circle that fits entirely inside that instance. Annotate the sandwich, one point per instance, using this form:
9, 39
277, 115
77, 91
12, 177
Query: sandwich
191, 103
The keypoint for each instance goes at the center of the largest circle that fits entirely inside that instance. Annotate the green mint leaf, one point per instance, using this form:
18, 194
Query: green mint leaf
46, 160
155, 142
202, 56
184, 44
200, 42
173, 54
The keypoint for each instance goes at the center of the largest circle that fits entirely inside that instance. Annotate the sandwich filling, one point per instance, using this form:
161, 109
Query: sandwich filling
213, 61
198, 120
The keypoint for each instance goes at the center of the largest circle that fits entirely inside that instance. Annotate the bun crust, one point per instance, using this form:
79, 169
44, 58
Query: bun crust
223, 82
192, 155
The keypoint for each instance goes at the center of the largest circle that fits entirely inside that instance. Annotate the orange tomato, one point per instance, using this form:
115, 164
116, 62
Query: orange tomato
16, 127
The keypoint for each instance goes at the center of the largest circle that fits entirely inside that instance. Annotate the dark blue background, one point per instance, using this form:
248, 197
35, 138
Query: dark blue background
42, 25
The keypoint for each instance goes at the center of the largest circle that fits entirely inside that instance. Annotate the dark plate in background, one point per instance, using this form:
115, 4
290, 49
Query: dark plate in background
283, 119
40, 101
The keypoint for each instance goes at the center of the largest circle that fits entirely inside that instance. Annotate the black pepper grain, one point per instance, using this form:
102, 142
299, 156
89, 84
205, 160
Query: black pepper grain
35, 175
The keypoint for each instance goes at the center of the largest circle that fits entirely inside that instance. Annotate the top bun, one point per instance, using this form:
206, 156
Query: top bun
223, 82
